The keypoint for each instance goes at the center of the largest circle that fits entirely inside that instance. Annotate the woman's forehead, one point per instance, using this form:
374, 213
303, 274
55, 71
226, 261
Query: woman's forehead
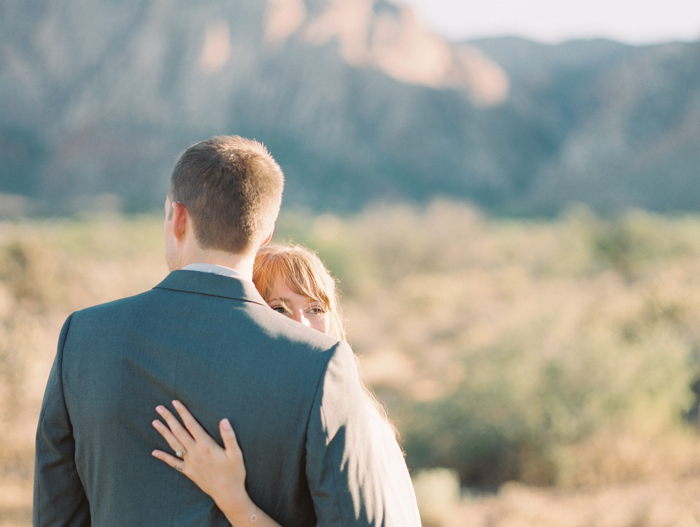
280, 285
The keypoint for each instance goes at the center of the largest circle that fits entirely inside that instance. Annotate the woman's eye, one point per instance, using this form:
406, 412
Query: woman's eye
279, 309
317, 310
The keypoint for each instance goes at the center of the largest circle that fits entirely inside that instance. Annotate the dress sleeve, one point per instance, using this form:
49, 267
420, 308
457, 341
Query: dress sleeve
398, 487
59, 497
347, 482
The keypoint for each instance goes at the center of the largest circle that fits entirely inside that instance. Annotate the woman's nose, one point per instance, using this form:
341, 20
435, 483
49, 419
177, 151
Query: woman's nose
298, 316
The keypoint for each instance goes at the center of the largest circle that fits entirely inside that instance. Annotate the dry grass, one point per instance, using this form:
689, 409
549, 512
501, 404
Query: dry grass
556, 353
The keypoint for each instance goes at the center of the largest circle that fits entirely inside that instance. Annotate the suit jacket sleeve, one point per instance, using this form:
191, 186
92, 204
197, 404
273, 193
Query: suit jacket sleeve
59, 497
346, 483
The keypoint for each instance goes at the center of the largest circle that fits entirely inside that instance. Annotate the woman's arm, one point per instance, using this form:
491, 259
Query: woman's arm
219, 472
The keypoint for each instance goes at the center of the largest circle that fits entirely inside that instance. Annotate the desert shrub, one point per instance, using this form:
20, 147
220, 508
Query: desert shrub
557, 351
437, 493
522, 340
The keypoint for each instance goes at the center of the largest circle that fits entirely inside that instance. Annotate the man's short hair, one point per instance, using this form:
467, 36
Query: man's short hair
232, 190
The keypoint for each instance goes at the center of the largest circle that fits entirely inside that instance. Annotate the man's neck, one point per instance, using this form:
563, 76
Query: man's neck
241, 263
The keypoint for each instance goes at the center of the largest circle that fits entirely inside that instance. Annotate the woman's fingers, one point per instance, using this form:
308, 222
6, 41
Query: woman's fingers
174, 462
228, 436
167, 435
233, 450
194, 428
177, 430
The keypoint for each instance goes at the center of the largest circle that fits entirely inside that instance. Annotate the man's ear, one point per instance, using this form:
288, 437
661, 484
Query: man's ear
180, 220
269, 237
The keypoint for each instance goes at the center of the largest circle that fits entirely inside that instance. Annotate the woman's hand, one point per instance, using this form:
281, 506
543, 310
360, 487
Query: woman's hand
220, 472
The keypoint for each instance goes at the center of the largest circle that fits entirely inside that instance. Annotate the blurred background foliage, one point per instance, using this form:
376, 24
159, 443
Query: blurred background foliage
510, 349
552, 352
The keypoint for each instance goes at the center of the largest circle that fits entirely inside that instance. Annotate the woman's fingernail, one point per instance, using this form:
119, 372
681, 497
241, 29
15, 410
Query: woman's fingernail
156, 423
160, 409
226, 424
176, 403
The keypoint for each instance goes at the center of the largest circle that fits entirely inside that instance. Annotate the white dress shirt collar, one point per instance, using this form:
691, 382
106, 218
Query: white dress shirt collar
216, 269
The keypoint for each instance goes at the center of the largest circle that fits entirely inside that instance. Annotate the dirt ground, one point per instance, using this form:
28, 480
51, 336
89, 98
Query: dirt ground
647, 504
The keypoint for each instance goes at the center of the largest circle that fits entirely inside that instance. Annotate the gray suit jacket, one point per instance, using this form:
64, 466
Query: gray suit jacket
292, 395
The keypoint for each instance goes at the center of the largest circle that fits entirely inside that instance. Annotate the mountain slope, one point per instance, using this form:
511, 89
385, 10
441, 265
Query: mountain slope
355, 99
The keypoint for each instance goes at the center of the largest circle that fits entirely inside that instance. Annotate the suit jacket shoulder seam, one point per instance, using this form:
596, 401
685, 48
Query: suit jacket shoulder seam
210, 294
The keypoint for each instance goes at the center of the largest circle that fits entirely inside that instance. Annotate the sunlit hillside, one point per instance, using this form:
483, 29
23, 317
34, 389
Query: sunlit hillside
357, 99
552, 367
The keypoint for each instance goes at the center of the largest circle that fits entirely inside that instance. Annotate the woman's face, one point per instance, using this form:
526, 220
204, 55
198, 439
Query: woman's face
303, 309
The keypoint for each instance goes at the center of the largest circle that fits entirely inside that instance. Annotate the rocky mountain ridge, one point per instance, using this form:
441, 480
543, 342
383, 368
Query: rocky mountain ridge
355, 99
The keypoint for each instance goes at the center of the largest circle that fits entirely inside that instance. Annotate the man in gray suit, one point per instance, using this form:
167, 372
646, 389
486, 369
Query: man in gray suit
206, 337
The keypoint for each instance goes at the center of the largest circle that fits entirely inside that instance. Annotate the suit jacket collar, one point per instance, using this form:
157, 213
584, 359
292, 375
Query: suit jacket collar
213, 285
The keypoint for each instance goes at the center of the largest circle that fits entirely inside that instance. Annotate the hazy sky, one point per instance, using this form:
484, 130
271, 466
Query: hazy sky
631, 21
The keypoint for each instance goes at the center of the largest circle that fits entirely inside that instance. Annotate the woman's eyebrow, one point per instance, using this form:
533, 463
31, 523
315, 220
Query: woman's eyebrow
275, 298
